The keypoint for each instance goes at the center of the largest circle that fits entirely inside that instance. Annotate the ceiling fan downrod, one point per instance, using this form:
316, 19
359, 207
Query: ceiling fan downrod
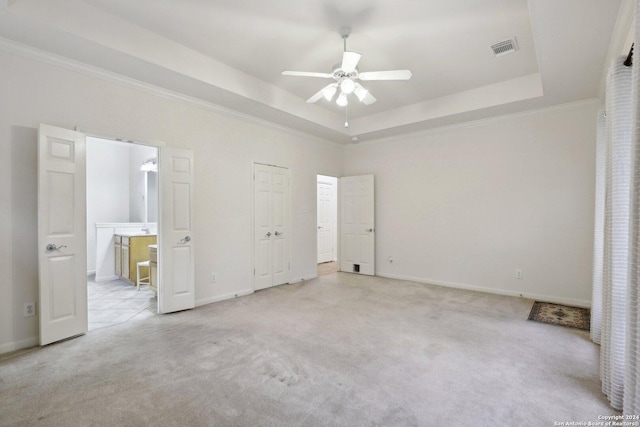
345, 32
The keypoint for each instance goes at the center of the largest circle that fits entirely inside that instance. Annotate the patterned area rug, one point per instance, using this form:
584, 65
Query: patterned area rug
556, 314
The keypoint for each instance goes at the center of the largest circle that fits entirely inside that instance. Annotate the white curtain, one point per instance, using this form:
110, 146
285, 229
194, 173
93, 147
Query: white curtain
598, 240
632, 352
616, 232
616, 282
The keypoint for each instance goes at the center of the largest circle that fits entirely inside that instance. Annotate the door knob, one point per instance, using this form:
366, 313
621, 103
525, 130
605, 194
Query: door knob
370, 230
185, 240
279, 234
52, 247
319, 227
269, 234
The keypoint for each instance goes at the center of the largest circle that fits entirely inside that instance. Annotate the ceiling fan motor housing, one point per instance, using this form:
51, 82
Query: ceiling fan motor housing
338, 73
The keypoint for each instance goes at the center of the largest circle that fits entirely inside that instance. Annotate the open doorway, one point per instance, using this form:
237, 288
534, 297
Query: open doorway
122, 226
62, 233
327, 217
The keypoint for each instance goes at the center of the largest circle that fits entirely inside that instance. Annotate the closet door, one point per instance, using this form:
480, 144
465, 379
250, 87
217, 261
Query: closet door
272, 217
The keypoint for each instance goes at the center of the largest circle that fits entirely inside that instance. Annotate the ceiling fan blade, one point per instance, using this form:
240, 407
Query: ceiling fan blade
386, 75
321, 93
350, 61
369, 99
307, 74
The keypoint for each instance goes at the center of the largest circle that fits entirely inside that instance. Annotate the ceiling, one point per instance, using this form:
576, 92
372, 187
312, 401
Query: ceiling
232, 53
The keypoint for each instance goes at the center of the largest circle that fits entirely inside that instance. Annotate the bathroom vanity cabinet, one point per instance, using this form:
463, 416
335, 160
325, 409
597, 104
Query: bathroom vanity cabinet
153, 268
129, 251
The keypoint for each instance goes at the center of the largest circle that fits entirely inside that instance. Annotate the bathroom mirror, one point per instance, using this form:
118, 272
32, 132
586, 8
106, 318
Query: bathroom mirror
150, 170
152, 197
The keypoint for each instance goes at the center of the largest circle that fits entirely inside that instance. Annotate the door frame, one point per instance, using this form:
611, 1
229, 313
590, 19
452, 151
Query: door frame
336, 216
253, 219
339, 218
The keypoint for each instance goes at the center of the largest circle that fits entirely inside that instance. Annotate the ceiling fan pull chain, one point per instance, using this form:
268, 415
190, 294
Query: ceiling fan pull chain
346, 116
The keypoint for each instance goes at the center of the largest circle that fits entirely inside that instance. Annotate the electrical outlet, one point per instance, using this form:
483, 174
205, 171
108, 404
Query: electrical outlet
213, 277
29, 309
519, 274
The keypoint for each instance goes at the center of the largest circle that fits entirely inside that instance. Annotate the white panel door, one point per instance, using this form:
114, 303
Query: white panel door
272, 214
357, 225
280, 222
62, 233
263, 229
176, 289
325, 222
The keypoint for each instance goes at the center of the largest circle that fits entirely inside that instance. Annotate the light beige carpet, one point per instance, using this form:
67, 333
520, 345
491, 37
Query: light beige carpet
342, 349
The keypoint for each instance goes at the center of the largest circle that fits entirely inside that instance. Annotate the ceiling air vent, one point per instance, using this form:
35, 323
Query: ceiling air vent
505, 47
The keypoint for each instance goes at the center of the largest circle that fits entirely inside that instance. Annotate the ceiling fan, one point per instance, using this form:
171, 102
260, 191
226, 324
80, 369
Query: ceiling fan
346, 75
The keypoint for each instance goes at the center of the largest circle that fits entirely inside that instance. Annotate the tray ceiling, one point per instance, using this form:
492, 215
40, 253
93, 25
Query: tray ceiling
232, 53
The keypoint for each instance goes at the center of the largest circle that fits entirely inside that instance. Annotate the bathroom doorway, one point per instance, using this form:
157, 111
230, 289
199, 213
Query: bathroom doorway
122, 225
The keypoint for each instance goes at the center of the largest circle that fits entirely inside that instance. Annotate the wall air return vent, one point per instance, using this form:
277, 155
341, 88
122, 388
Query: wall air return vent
505, 47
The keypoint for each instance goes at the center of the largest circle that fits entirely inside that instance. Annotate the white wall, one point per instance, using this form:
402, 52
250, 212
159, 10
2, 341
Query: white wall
34, 92
107, 189
467, 206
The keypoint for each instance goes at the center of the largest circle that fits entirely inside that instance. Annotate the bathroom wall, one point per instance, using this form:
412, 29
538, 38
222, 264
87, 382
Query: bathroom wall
115, 187
108, 189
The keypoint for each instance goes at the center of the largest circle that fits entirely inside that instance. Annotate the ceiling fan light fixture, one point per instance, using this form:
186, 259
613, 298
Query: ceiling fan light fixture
329, 91
347, 86
342, 100
360, 92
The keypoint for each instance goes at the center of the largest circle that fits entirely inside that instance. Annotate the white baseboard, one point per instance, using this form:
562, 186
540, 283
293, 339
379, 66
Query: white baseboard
105, 278
219, 298
539, 297
302, 279
18, 345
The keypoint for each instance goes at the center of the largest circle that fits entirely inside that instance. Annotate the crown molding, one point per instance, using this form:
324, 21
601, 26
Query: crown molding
29, 52
489, 120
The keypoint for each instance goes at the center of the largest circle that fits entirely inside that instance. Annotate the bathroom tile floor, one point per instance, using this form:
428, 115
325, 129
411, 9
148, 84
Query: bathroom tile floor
117, 301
